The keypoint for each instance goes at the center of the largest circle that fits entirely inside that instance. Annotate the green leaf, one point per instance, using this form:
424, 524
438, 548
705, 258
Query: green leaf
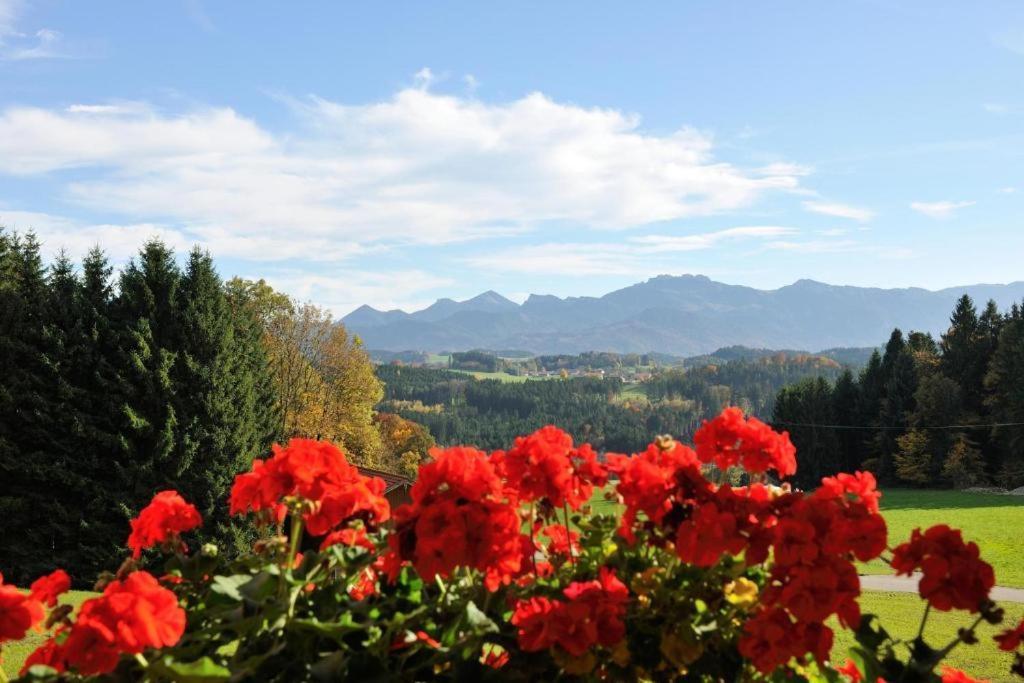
203, 670
228, 586
478, 621
259, 587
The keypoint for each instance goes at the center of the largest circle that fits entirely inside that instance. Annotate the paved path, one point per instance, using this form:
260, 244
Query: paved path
908, 584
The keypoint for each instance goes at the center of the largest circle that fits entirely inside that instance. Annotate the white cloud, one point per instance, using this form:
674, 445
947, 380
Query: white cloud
839, 210
346, 290
9, 11
638, 256
1009, 189
669, 243
15, 46
420, 167
939, 210
120, 242
555, 258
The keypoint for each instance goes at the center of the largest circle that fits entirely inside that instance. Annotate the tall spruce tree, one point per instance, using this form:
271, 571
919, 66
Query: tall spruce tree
27, 395
897, 401
963, 356
809, 403
147, 315
1005, 383
219, 391
846, 398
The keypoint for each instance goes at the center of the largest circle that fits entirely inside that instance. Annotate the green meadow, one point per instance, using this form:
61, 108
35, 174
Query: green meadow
900, 614
993, 521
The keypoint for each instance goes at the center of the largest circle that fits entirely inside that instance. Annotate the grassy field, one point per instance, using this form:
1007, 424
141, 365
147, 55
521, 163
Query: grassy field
992, 521
14, 654
900, 613
500, 376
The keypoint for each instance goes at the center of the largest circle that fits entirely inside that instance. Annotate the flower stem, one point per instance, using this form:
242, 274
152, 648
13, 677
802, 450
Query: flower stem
141, 660
293, 541
568, 533
924, 620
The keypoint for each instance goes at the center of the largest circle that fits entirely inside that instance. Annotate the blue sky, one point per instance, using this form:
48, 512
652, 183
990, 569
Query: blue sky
394, 153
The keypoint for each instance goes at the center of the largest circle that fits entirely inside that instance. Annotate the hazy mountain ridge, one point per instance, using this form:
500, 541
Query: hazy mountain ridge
680, 315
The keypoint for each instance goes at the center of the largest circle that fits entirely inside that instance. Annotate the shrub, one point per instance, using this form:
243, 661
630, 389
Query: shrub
498, 569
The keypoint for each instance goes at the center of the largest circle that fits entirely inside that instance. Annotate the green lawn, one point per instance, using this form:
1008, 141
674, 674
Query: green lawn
900, 614
500, 376
992, 521
14, 654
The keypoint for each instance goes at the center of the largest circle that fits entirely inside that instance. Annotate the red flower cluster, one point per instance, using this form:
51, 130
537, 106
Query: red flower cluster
19, 612
129, 617
545, 465
816, 540
955, 576
318, 472
1010, 639
562, 541
592, 614
771, 639
730, 440
161, 521
47, 589
654, 481
460, 516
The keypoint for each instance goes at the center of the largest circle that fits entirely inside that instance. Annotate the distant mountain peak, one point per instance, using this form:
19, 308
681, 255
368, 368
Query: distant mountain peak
682, 315
491, 297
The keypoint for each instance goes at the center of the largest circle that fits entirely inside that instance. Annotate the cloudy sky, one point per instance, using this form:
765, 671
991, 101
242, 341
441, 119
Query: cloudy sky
356, 154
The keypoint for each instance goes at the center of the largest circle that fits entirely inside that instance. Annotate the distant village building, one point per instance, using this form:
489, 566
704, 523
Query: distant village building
396, 486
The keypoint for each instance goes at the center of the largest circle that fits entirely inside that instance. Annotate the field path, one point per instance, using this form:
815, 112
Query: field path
908, 584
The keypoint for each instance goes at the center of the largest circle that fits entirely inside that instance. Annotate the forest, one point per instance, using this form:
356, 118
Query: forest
606, 412
922, 412
112, 388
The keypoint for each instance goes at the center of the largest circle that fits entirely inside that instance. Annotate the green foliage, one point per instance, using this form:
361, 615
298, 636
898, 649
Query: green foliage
611, 415
106, 398
926, 413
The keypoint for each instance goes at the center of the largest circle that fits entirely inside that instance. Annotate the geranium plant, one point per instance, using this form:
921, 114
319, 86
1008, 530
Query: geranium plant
499, 569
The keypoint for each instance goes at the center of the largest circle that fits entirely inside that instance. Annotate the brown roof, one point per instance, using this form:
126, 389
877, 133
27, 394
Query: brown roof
392, 481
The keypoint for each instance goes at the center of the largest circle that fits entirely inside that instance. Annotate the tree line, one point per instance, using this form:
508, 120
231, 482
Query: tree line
115, 387
609, 414
922, 412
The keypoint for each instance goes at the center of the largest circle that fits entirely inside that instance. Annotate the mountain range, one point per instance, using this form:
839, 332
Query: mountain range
681, 315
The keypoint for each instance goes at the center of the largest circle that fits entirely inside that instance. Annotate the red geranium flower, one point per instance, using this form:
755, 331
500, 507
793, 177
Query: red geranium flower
459, 517
48, 588
161, 521
707, 535
768, 640
861, 485
545, 465
318, 472
730, 440
19, 612
1010, 639
955, 577
348, 536
50, 653
563, 542
130, 616
649, 481
592, 614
